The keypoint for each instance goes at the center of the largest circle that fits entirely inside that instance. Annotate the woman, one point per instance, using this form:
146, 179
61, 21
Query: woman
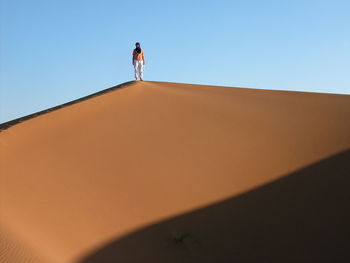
138, 60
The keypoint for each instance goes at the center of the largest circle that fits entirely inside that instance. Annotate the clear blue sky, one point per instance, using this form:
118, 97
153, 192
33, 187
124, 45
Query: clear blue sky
55, 51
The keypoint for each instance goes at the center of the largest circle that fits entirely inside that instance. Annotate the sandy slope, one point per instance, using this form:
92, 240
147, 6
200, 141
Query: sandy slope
77, 178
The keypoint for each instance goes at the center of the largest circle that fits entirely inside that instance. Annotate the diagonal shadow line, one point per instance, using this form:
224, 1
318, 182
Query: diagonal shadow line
303, 217
8, 124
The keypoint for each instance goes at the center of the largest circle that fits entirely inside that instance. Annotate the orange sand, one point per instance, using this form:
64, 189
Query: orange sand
75, 179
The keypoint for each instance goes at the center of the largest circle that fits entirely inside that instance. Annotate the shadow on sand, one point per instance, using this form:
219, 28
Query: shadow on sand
303, 217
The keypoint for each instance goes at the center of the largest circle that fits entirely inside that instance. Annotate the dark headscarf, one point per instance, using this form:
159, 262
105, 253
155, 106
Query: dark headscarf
138, 49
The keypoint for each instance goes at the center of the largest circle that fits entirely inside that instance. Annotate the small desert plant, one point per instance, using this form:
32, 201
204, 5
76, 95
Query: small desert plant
180, 238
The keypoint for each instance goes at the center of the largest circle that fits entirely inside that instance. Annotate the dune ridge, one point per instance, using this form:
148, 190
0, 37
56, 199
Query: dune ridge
86, 173
8, 124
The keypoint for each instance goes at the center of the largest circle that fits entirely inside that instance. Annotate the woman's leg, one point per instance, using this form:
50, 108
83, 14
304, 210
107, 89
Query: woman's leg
141, 70
136, 65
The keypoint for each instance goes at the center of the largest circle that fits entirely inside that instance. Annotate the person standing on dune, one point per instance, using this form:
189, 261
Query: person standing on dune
138, 60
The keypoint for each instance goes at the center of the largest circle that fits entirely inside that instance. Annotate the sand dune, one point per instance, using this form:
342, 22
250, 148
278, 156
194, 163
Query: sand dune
168, 172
